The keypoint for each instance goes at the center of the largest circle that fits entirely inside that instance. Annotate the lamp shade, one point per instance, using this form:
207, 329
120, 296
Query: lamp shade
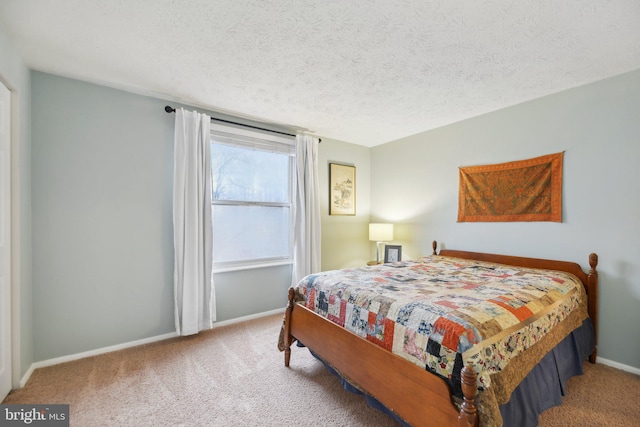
381, 232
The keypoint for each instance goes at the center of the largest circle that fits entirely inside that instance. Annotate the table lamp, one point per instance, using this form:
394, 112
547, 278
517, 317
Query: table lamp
380, 233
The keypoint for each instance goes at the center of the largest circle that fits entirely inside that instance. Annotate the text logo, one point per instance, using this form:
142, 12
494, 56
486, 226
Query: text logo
34, 415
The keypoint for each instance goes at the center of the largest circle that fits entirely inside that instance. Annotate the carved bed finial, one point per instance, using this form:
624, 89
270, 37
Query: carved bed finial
434, 245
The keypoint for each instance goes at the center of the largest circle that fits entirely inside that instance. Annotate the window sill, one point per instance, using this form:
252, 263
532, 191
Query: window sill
252, 266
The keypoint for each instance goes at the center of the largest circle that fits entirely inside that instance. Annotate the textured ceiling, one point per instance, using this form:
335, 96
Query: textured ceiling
361, 71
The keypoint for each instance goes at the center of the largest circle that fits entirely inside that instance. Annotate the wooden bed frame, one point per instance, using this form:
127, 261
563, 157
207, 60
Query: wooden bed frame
425, 399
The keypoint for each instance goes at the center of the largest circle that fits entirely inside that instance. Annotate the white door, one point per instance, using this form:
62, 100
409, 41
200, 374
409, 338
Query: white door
5, 243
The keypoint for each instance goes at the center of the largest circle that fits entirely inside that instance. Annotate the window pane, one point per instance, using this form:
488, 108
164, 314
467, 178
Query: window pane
250, 232
249, 175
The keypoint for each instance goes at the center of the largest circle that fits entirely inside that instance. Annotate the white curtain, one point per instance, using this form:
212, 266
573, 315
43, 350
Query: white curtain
192, 227
306, 246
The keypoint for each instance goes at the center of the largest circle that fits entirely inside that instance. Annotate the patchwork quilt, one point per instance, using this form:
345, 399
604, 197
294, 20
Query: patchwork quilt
442, 313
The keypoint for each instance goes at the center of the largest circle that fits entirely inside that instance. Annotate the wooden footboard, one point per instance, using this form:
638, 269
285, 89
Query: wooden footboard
416, 395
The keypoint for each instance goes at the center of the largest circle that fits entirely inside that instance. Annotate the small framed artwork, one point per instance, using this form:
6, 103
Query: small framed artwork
342, 189
392, 253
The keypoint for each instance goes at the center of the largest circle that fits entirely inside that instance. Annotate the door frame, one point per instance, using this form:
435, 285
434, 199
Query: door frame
14, 251
16, 237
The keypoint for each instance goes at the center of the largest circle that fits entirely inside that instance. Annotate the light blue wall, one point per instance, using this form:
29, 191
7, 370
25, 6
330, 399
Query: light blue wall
102, 227
15, 75
102, 249
102, 223
415, 185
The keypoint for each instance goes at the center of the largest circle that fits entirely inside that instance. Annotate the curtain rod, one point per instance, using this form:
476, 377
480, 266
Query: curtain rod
169, 109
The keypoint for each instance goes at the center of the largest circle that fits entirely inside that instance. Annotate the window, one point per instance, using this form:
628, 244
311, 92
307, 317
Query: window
252, 175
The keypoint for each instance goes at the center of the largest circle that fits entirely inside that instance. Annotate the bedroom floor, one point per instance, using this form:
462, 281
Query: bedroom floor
234, 375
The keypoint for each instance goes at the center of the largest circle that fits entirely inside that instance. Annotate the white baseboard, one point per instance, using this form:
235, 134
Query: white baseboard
250, 317
72, 357
26, 376
617, 365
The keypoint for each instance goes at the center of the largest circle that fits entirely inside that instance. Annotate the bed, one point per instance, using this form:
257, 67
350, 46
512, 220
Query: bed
450, 369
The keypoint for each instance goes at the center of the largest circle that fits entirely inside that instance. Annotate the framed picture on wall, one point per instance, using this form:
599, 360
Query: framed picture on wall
342, 189
392, 253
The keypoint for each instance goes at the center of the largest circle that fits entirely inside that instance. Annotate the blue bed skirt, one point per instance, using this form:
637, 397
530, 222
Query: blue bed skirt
540, 390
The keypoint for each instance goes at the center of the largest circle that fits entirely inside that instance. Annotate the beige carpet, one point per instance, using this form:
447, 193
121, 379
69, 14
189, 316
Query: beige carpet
234, 376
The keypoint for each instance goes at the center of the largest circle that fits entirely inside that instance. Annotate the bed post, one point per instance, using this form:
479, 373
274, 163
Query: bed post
468, 416
287, 328
592, 295
434, 245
